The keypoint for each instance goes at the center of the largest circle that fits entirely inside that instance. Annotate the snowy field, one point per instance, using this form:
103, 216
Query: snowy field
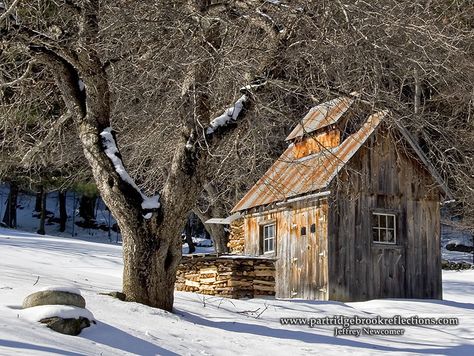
203, 325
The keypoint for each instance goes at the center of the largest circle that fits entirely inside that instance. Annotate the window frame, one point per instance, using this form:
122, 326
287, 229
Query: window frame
264, 238
379, 228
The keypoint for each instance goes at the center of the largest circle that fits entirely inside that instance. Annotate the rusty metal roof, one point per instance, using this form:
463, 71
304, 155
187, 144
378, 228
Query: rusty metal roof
321, 116
289, 177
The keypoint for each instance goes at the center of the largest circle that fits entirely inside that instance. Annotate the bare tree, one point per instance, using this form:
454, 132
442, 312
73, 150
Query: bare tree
163, 72
150, 226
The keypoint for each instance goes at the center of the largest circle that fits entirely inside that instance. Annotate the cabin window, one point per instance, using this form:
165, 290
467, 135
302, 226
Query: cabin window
312, 229
269, 238
384, 228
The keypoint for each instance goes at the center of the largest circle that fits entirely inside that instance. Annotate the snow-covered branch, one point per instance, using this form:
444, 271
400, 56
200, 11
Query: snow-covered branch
111, 150
231, 114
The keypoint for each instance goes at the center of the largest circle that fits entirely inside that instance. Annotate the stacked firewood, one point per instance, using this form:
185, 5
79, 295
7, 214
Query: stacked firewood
188, 276
237, 237
239, 277
264, 282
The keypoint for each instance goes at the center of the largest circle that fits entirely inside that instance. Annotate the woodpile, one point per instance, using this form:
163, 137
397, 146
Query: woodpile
236, 242
227, 276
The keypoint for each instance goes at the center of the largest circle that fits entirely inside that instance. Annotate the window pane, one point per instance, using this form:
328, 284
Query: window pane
375, 220
268, 238
383, 220
390, 236
383, 236
375, 234
313, 228
391, 221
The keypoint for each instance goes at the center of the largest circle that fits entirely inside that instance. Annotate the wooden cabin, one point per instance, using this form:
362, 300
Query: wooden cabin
350, 211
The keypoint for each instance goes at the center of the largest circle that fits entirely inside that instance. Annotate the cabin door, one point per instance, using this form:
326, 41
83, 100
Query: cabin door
308, 259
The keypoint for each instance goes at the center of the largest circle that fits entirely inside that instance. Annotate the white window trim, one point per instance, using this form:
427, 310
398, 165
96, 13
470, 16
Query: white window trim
268, 238
385, 229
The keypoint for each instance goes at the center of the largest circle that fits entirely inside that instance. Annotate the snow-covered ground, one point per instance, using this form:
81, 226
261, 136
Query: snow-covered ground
203, 325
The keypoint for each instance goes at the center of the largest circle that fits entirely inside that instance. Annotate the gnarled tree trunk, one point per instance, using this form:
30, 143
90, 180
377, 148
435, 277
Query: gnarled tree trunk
151, 233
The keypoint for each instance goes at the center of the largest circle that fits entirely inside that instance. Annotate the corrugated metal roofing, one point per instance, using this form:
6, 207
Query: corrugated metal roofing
289, 177
321, 116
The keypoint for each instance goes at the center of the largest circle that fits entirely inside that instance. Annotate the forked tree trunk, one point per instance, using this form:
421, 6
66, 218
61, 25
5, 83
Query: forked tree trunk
151, 247
151, 244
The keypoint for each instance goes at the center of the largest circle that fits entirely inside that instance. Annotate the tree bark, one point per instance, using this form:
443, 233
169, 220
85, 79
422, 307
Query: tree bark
62, 210
9, 218
41, 229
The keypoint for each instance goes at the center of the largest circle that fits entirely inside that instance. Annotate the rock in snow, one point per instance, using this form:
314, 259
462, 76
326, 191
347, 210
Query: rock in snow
53, 297
60, 308
67, 326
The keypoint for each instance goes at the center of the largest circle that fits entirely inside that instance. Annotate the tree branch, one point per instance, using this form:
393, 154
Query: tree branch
9, 10
28, 157
22, 77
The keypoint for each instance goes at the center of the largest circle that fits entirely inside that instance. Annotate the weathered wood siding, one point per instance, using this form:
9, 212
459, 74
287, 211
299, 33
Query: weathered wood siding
301, 266
382, 176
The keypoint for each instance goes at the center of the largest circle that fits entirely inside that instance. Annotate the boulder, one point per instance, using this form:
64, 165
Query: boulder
67, 326
53, 297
